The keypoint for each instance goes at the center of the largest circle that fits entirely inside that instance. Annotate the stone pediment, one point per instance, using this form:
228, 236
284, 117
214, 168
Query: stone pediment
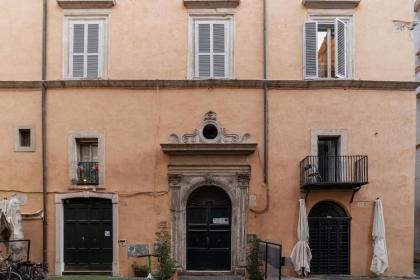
210, 4
86, 4
209, 132
331, 4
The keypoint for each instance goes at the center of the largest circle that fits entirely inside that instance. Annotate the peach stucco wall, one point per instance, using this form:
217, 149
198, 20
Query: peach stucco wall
134, 123
148, 40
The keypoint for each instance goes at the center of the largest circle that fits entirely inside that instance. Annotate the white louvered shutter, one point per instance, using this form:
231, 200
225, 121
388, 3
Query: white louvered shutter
92, 56
85, 49
203, 50
219, 50
310, 53
77, 50
340, 49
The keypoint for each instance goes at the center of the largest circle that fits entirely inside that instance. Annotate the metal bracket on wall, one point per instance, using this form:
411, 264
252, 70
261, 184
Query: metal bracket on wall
353, 194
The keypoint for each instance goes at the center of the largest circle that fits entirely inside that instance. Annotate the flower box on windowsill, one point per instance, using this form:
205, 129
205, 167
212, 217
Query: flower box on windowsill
86, 4
331, 4
210, 4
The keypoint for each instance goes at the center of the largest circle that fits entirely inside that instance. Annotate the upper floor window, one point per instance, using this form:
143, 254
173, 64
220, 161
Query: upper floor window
326, 48
86, 48
212, 45
88, 165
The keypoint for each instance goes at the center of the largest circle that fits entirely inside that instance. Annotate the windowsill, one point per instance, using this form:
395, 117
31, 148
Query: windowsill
86, 187
210, 4
208, 78
25, 149
86, 4
331, 4
83, 79
328, 79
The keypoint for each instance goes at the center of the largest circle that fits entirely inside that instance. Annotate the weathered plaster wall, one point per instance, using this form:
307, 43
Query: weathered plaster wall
134, 123
20, 48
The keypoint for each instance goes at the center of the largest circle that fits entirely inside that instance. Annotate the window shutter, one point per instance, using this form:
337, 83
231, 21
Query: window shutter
78, 48
203, 50
219, 50
340, 49
92, 68
310, 54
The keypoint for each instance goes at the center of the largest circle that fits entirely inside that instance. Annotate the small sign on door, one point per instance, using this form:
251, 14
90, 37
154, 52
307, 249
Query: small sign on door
107, 233
220, 221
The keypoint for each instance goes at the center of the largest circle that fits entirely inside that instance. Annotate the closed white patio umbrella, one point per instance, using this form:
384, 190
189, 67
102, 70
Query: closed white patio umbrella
301, 254
380, 254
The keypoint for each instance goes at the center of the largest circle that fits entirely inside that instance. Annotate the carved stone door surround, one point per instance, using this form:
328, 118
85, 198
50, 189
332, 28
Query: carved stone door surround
220, 161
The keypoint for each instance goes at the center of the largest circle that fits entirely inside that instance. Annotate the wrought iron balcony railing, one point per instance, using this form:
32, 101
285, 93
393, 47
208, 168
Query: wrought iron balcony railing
88, 173
333, 172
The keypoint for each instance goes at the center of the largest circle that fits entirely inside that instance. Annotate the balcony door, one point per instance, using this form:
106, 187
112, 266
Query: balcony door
88, 162
328, 159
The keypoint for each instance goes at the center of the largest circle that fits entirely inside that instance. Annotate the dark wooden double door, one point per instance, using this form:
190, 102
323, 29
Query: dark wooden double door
209, 230
88, 234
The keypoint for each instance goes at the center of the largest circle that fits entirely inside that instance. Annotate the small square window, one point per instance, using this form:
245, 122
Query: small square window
25, 137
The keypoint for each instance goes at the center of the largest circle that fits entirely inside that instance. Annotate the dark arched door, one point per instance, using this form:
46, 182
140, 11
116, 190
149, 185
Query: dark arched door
329, 239
208, 229
88, 234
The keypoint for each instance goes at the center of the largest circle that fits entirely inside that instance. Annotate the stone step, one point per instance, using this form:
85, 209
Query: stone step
204, 277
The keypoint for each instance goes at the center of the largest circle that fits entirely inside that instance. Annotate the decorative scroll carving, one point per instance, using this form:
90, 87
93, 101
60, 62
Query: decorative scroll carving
209, 179
174, 180
243, 180
217, 134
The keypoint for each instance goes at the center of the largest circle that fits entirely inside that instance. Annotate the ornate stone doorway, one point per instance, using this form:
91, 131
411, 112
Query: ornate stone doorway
220, 161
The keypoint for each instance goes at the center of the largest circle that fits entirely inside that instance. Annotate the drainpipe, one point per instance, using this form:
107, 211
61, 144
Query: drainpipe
265, 93
44, 133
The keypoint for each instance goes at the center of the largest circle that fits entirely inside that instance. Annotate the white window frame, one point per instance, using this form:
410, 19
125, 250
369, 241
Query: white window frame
193, 21
83, 16
328, 17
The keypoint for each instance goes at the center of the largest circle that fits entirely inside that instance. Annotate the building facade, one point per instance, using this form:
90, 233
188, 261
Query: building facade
211, 118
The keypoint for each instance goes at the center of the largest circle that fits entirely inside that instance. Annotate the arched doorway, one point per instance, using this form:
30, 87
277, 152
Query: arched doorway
329, 238
88, 234
209, 229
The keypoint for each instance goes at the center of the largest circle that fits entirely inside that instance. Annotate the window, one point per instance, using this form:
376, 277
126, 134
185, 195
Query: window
212, 49
86, 48
86, 159
88, 167
24, 139
326, 48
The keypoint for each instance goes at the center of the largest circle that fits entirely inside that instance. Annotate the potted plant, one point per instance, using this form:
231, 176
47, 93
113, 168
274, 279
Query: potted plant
140, 270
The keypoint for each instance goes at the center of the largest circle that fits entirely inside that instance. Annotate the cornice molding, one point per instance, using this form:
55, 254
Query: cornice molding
187, 84
331, 4
210, 4
86, 4
209, 149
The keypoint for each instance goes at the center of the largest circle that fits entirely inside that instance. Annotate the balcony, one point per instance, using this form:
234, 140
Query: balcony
87, 173
333, 173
